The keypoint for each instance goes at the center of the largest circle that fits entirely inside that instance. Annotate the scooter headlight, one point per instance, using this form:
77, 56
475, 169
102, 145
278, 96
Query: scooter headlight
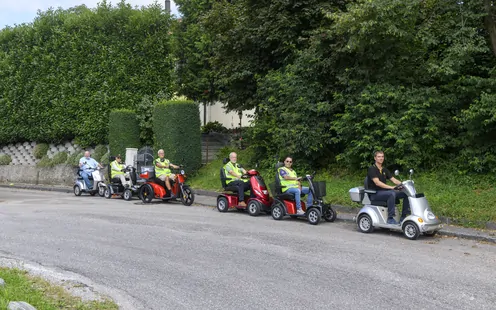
265, 192
431, 216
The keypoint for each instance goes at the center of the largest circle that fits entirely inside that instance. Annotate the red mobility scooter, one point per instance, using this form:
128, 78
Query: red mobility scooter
154, 188
285, 204
261, 200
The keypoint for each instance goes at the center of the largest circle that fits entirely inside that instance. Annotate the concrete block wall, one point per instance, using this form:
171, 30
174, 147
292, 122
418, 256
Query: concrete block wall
22, 153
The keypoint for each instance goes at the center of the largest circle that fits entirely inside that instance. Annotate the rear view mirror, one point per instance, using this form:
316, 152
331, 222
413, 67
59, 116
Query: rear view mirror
411, 171
396, 172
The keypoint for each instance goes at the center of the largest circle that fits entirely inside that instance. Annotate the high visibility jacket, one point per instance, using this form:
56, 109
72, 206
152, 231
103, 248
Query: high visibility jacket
161, 171
116, 169
288, 183
235, 168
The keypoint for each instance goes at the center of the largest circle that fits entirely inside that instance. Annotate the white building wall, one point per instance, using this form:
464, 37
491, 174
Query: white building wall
216, 112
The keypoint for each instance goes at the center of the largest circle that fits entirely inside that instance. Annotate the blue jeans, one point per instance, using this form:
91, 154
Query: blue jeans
85, 175
390, 197
297, 193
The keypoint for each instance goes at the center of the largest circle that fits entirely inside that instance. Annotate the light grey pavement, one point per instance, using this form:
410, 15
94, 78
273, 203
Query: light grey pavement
168, 256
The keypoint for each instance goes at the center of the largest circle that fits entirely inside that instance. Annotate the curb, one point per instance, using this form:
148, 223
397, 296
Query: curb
469, 233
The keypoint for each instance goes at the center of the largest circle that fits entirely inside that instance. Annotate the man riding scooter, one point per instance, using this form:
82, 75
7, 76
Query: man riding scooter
118, 172
163, 172
377, 177
234, 172
88, 165
291, 184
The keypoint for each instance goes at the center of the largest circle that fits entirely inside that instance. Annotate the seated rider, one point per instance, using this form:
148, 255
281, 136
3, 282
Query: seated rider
87, 166
291, 184
163, 172
377, 177
117, 171
234, 172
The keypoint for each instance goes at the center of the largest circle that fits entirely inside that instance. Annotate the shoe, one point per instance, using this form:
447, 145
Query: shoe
242, 204
392, 221
300, 212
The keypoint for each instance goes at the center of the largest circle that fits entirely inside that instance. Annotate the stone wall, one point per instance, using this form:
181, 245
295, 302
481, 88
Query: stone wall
22, 153
57, 175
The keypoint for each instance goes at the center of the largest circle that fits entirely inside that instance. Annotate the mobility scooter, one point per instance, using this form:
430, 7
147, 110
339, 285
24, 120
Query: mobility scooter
117, 188
154, 188
261, 200
285, 204
374, 213
97, 181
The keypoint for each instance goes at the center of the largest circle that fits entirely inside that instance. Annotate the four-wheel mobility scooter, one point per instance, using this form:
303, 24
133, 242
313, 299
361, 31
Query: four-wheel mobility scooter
261, 200
117, 188
374, 213
97, 181
285, 204
154, 188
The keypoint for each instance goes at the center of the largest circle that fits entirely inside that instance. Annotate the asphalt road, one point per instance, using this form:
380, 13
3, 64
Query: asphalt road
168, 256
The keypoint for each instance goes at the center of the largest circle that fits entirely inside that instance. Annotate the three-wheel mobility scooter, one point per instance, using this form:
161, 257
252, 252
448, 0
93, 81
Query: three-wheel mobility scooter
117, 188
261, 200
285, 204
154, 188
97, 181
374, 213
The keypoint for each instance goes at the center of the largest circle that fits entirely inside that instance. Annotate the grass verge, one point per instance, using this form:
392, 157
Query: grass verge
467, 200
20, 286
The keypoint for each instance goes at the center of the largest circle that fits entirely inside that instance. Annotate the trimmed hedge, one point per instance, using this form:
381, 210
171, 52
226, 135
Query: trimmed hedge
40, 150
45, 162
176, 126
5, 159
73, 159
100, 150
59, 158
124, 131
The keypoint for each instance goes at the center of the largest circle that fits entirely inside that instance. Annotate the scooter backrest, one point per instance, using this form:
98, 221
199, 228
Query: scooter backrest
222, 177
225, 160
278, 187
366, 183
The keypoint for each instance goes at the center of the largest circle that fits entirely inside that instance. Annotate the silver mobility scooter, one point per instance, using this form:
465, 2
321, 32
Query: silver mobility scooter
97, 180
374, 214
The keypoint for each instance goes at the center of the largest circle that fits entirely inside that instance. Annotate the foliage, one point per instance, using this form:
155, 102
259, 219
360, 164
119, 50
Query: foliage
45, 162
73, 159
62, 74
213, 127
124, 132
176, 125
40, 150
5, 159
105, 159
59, 158
42, 295
99, 151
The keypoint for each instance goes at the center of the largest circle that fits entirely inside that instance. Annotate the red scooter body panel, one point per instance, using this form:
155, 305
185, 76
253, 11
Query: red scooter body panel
291, 206
158, 190
260, 192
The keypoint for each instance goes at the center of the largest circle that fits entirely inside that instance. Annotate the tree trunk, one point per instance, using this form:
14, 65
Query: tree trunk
490, 23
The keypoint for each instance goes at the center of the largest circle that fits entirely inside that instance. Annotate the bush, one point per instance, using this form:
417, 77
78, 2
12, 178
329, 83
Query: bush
176, 126
45, 162
105, 159
100, 150
73, 159
213, 127
124, 131
59, 158
40, 150
5, 160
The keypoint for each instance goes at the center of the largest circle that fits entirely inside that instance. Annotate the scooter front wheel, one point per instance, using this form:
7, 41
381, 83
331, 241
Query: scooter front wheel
411, 230
330, 215
101, 190
187, 196
313, 216
254, 208
127, 195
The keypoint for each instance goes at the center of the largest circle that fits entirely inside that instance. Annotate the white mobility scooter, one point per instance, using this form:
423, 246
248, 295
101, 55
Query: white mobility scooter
374, 214
97, 181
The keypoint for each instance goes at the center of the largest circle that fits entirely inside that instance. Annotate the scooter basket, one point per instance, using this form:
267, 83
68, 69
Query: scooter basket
320, 189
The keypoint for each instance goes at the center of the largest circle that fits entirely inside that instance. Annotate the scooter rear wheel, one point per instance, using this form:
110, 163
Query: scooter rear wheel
222, 204
77, 190
146, 193
277, 211
365, 224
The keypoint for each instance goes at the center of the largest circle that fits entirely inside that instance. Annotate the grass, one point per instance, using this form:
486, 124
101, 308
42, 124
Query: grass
20, 286
466, 200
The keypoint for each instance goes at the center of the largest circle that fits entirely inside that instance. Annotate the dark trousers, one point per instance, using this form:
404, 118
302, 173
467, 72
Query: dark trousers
242, 187
390, 197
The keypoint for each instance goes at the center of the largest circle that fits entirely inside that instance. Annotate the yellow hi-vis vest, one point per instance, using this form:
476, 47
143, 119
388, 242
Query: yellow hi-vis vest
236, 169
287, 183
116, 169
161, 171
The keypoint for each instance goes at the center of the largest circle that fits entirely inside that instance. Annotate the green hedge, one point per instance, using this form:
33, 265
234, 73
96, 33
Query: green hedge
73, 159
124, 131
176, 126
40, 150
5, 159
45, 162
59, 158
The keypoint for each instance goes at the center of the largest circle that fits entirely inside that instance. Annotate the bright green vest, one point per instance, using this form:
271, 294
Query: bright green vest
161, 171
236, 170
115, 165
287, 183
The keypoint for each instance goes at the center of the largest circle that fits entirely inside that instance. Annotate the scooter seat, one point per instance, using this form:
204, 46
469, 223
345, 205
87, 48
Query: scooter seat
288, 196
231, 189
380, 203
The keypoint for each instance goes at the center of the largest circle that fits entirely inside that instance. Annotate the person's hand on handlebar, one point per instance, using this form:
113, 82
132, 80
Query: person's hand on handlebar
398, 187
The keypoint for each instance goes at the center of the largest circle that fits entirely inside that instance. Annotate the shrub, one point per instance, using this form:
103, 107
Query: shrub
213, 127
176, 126
40, 150
124, 131
59, 158
73, 159
45, 162
105, 159
100, 150
5, 159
